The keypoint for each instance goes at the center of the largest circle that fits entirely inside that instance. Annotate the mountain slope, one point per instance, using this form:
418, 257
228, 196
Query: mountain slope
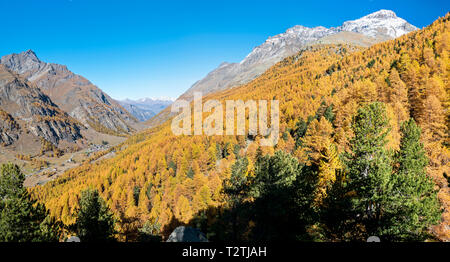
72, 93
378, 26
366, 31
178, 177
25, 109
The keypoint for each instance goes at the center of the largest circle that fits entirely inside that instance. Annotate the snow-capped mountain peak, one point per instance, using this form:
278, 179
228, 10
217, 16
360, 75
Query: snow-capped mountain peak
381, 14
372, 28
383, 23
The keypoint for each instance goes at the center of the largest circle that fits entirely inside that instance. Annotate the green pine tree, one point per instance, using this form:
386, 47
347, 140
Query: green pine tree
236, 187
369, 170
416, 206
22, 219
95, 222
280, 198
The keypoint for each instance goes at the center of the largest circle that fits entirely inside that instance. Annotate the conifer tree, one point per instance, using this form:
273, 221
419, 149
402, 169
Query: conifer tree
283, 196
415, 207
21, 218
369, 167
237, 187
94, 223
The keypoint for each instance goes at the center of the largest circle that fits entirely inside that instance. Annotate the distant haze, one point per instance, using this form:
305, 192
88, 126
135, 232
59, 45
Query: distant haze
145, 108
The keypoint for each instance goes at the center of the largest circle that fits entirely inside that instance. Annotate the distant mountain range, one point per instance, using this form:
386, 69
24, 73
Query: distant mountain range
146, 108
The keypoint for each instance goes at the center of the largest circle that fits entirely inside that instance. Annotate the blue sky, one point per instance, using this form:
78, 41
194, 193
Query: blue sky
134, 49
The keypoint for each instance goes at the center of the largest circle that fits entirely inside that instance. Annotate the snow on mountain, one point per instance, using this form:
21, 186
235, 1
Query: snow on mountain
368, 30
380, 23
145, 108
372, 28
277, 47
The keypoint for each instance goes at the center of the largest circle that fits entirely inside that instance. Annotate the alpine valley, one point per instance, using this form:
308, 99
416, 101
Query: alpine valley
363, 146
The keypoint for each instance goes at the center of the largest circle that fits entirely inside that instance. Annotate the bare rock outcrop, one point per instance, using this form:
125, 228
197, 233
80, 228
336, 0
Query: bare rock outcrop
23, 107
186, 234
72, 93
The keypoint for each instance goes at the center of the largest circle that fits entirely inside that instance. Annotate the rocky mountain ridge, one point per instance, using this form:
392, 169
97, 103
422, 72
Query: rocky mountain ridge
376, 27
24, 109
72, 93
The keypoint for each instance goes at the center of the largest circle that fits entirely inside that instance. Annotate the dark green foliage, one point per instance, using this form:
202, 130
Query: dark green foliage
371, 63
299, 132
232, 223
11, 181
190, 173
283, 192
274, 173
415, 205
136, 192
219, 154
370, 168
148, 192
284, 136
395, 64
172, 166
224, 150
333, 91
95, 222
21, 218
237, 187
331, 69
281, 196
393, 204
302, 126
328, 114
236, 150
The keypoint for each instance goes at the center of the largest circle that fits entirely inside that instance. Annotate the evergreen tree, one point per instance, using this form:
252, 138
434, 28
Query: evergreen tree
21, 218
416, 205
95, 222
237, 186
369, 168
274, 172
328, 114
299, 132
237, 190
279, 198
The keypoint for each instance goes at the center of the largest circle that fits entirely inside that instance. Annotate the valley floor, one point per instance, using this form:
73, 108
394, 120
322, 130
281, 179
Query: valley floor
38, 174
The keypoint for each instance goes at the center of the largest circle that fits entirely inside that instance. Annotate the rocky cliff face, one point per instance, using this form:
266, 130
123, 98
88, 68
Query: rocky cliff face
370, 29
72, 93
186, 234
24, 108
9, 129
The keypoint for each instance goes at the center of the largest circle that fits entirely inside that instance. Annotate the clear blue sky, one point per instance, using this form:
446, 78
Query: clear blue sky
140, 49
